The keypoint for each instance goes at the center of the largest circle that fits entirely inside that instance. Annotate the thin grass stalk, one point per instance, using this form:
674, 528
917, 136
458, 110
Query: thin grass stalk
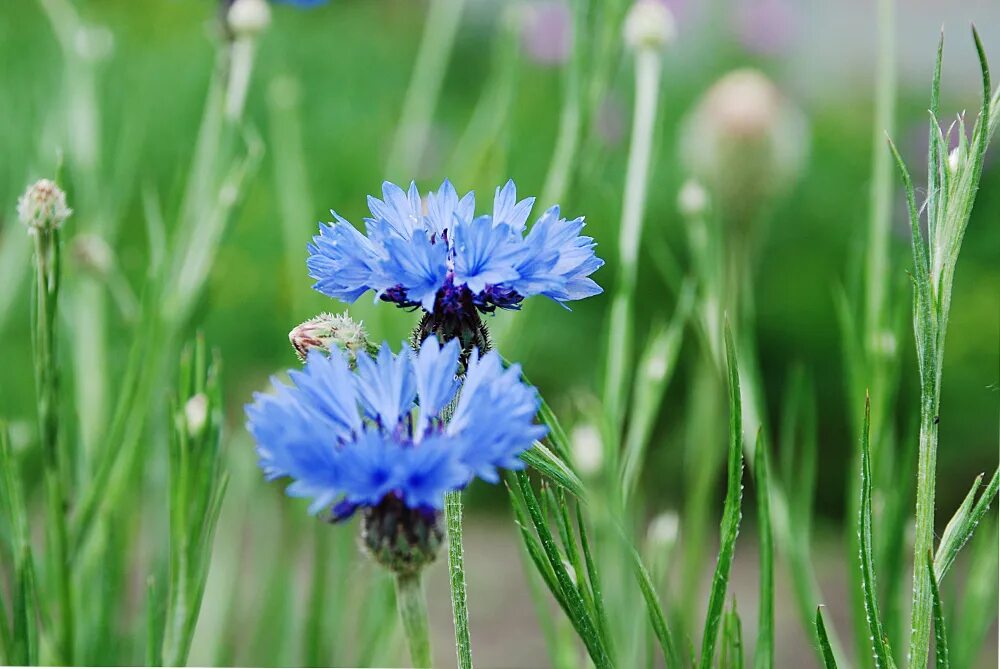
456, 577
648, 66
440, 29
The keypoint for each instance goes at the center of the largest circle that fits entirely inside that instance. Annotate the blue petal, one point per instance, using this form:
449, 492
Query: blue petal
485, 253
506, 208
386, 386
418, 265
343, 262
435, 368
428, 470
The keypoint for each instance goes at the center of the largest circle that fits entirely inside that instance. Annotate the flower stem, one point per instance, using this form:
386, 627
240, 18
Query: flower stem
456, 573
647, 91
47, 390
413, 613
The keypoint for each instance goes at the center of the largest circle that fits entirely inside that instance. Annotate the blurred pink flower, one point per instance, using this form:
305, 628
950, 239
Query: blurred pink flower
547, 31
765, 27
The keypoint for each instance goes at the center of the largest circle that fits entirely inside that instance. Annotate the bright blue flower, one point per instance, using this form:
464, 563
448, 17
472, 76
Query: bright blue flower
350, 439
436, 254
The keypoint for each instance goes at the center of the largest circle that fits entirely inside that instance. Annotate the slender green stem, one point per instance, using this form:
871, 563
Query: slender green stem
425, 87
413, 614
456, 573
647, 91
47, 392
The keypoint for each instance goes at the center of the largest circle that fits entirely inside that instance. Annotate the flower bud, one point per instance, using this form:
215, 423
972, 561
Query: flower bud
744, 139
43, 206
649, 25
661, 535
954, 160
692, 200
247, 18
196, 414
399, 538
588, 449
327, 331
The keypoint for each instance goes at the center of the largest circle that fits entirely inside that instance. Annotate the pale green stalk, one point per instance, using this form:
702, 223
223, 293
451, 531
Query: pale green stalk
47, 266
436, 45
648, 67
413, 614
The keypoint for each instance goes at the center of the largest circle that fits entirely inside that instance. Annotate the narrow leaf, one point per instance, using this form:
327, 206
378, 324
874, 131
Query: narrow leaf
963, 524
940, 631
731, 512
764, 654
882, 654
553, 467
829, 661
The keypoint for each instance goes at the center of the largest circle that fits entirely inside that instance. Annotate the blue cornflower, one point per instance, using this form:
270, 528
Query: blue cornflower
377, 436
435, 253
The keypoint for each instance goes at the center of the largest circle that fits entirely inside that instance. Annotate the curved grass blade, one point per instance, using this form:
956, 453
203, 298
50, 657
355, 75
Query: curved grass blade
731, 512
554, 467
829, 661
880, 646
963, 524
764, 654
655, 610
940, 631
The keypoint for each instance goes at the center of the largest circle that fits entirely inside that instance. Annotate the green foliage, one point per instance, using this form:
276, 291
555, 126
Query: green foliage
826, 651
764, 653
731, 513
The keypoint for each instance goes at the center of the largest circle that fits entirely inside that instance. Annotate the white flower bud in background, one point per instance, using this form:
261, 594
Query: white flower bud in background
587, 448
744, 140
43, 206
92, 254
954, 160
247, 18
649, 24
692, 200
661, 535
327, 331
196, 414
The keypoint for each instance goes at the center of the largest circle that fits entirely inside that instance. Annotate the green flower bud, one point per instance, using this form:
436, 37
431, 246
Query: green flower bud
327, 331
399, 538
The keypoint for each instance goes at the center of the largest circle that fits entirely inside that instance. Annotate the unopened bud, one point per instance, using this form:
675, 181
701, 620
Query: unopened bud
954, 160
588, 449
662, 531
649, 25
247, 18
692, 200
43, 206
196, 414
329, 331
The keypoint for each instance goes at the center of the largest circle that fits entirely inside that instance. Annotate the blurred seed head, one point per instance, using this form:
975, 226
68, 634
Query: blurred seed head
661, 534
546, 31
43, 206
692, 200
92, 254
744, 139
649, 24
196, 414
329, 331
247, 18
588, 448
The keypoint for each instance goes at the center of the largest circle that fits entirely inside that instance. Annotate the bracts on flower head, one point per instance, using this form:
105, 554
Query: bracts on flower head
376, 439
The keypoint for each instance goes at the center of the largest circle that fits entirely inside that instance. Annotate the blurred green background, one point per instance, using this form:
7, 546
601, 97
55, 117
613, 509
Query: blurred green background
345, 68
351, 61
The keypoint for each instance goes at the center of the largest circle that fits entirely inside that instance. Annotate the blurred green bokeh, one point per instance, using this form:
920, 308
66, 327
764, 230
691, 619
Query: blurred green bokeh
352, 60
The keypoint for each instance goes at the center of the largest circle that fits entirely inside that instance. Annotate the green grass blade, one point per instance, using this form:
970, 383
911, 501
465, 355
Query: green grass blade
21, 637
655, 610
829, 661
594, 576
731, 654
730, 515
940, 631
978, 603
880, 646
655, 370
963, 524
579, 615
764, 653
554, 468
